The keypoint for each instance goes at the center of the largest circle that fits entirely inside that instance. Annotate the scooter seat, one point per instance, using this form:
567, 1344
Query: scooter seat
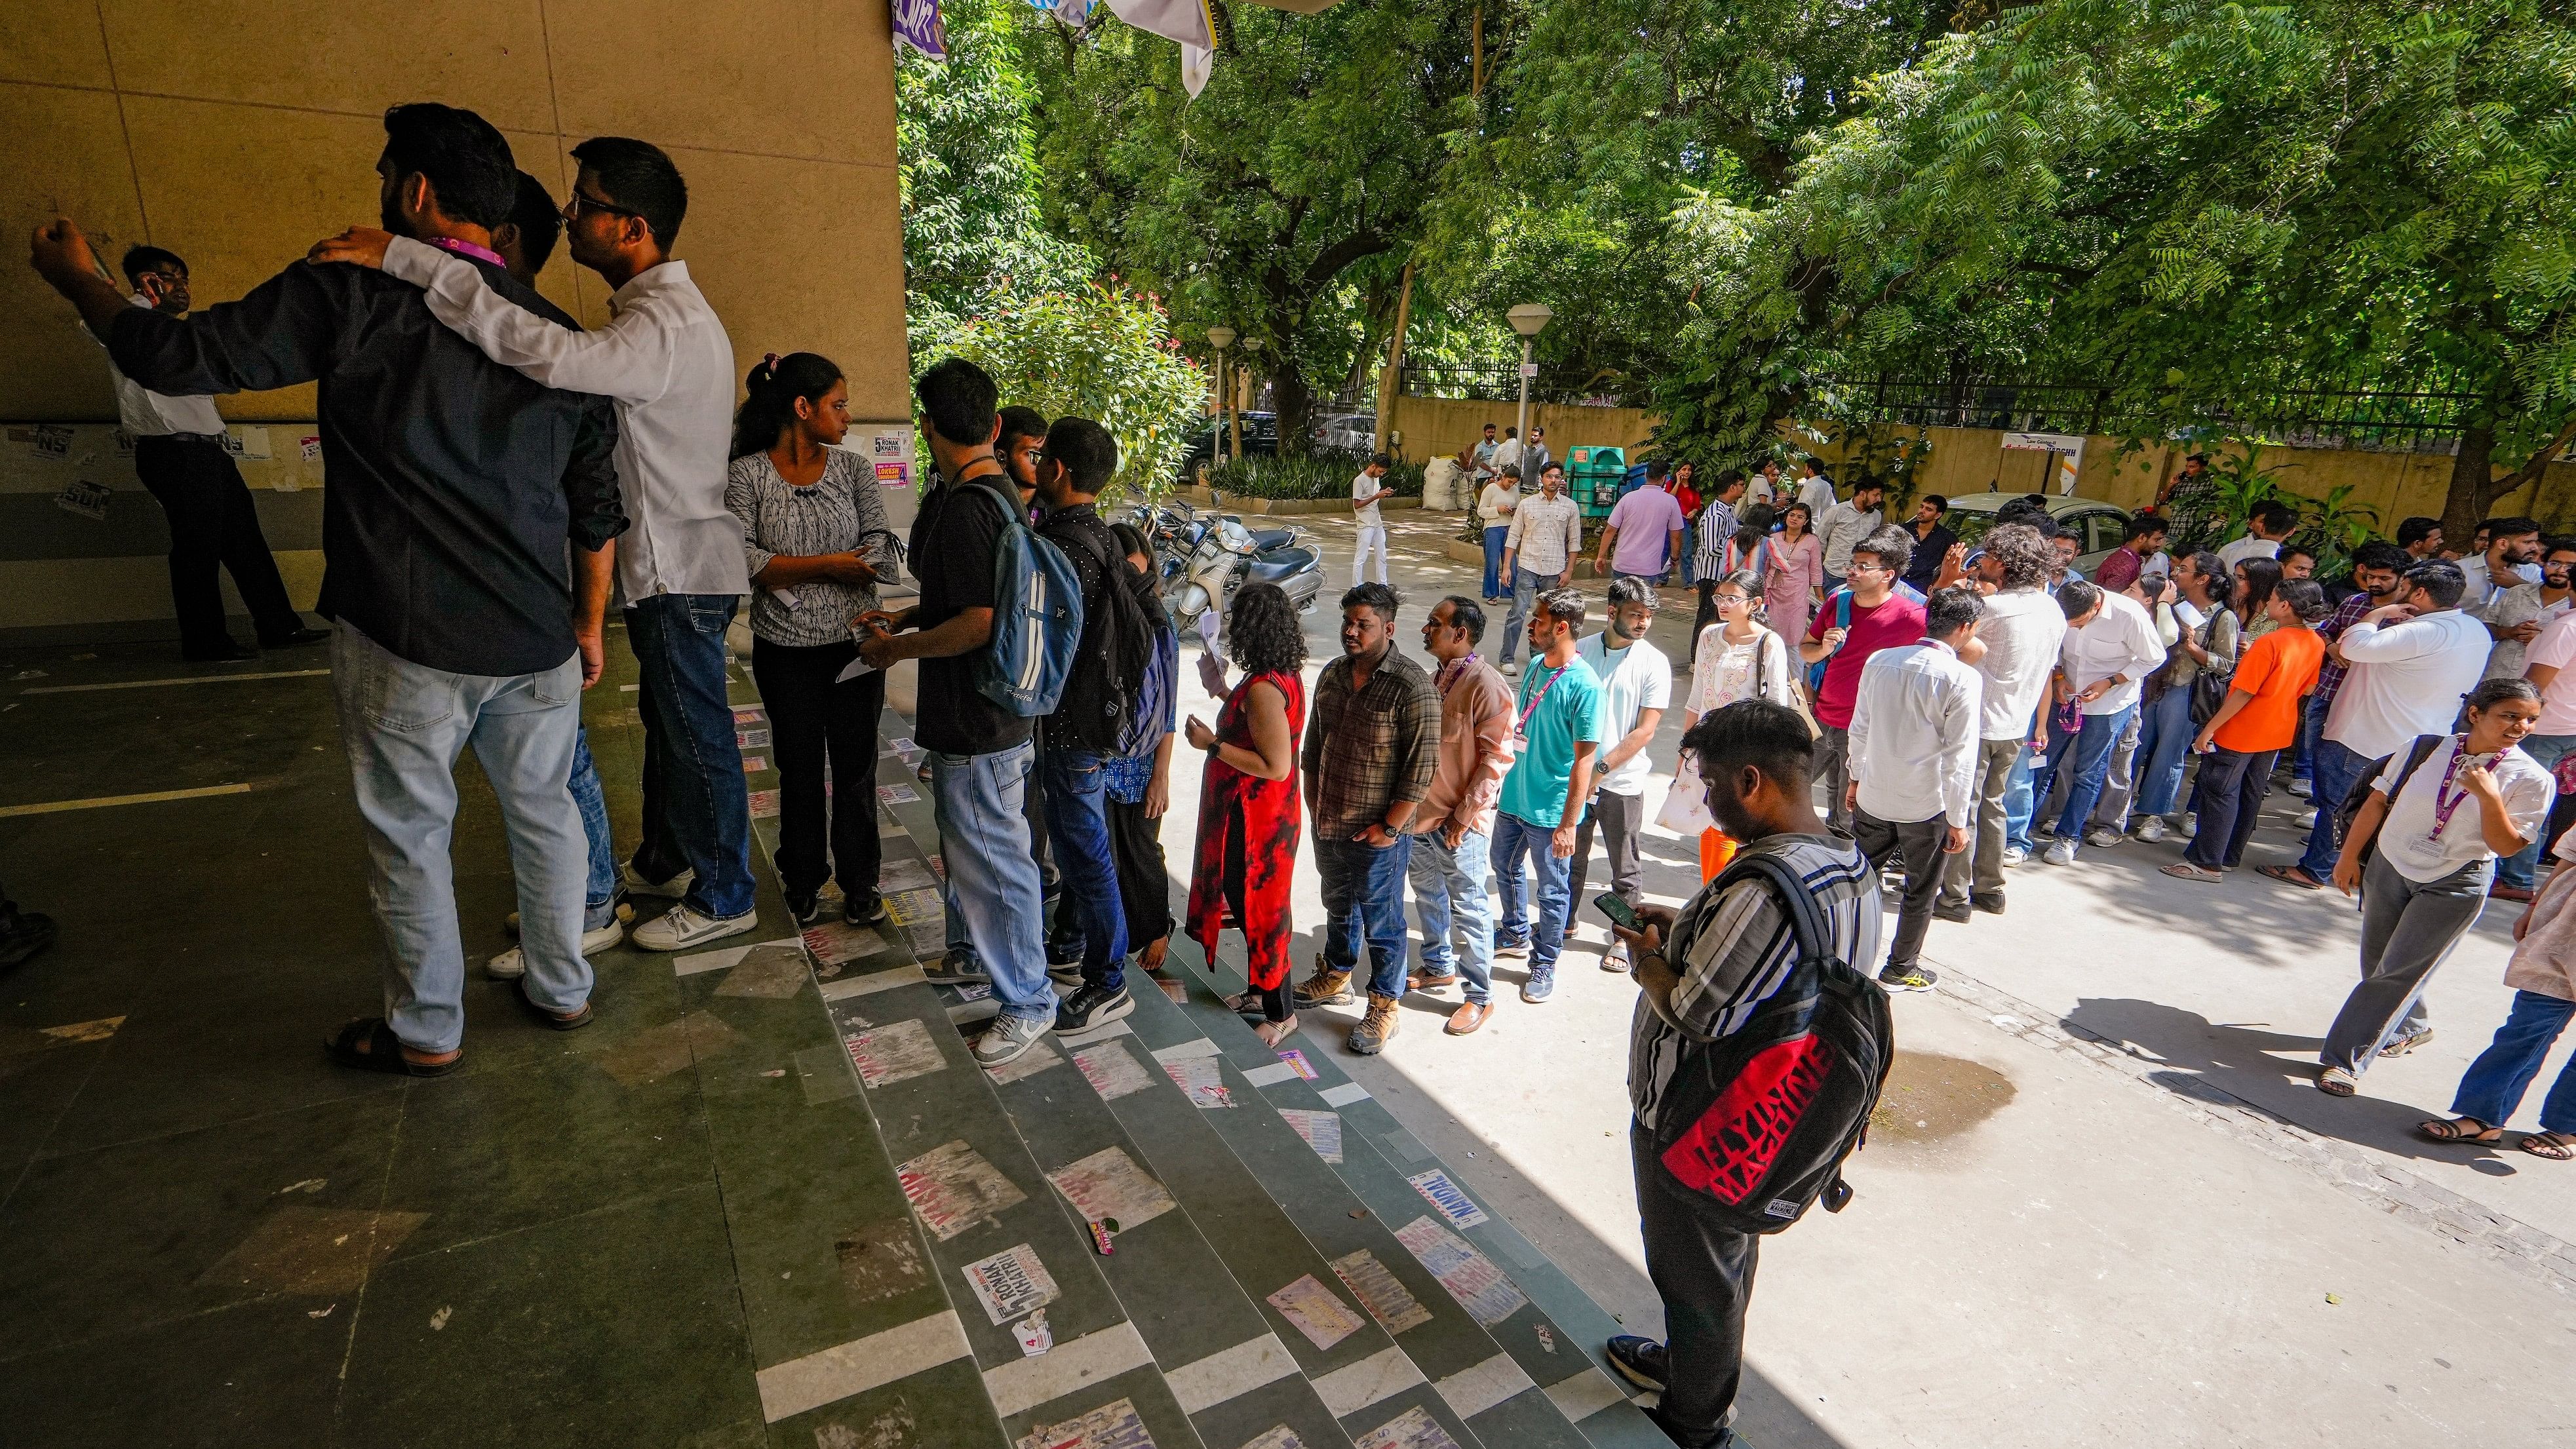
1280, 565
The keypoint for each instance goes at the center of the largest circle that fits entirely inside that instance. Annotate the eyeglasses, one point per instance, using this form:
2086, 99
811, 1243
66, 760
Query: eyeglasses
580, 203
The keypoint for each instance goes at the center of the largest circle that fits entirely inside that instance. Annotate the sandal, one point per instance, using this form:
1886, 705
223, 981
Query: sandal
1272, 1033
2185, 870
382, 1051
2336, 1082
2292, 875
548, 1017
2458, 1130
1248, 1006
2555, 1146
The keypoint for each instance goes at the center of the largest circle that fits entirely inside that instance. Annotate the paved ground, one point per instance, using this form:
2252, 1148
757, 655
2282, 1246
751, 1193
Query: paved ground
2096, 1225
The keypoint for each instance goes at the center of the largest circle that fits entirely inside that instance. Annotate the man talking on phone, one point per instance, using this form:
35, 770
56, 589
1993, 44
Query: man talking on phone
1914, 731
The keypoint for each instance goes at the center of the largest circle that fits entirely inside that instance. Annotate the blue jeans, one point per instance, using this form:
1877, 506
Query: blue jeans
1833, 581
1526, 587
697, 810
599, 898
995, 913
1077, 817
1494, 537
2019, 801
2088, 754
2333, 769
2503, 1072
1515, 838
1363, 890
2165, 732
2522, 867
1449, 889
403, 725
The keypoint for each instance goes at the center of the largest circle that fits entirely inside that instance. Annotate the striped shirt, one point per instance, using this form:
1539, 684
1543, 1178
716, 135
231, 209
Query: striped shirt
1717, 526
834, 515
1733, 951
2330, 675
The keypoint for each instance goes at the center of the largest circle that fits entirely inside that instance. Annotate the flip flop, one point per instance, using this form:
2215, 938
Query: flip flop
2291, 875
2555, 1146
2185, 870
383, 1051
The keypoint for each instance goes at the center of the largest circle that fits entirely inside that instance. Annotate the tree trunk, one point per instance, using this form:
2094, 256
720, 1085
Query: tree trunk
1293, 404
2472, 474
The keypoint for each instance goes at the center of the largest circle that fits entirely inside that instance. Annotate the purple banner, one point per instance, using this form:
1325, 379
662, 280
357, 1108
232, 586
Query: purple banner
917, 24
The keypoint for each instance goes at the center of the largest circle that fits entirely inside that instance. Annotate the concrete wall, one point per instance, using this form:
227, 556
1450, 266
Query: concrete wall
1437, 427
237, 133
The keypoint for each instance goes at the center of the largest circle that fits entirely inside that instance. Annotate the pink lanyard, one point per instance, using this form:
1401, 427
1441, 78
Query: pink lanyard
1520, 727
2445, 803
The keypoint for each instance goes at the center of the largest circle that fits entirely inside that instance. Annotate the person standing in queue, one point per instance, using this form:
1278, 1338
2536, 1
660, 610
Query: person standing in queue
1246, 855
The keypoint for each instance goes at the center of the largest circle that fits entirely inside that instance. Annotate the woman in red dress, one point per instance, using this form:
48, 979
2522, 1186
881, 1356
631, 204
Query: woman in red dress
1248, 805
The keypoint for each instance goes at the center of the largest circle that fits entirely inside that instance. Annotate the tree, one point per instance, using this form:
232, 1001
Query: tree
1096, 352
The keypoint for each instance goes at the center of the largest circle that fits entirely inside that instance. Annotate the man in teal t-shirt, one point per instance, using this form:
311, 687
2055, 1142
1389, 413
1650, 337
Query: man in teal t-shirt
1558, 718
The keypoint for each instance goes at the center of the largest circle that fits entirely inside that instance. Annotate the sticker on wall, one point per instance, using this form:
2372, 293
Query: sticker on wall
85, 498
309, 447
51, 442
244, 442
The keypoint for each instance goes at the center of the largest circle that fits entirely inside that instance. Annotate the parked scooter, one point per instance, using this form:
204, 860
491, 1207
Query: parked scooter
1203, 557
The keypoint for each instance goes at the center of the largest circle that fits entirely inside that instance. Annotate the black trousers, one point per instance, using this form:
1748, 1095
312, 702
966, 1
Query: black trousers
1144, 882
1707, 614
212, 525
2231, 796
1919, 845
1704, 1273
1622, 821
810, 718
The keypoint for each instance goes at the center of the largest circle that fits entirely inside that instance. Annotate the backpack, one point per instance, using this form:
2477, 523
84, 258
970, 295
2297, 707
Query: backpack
1160, 686
1127, 651
2359, 794
1842, 620
1756, 1124
1037, 616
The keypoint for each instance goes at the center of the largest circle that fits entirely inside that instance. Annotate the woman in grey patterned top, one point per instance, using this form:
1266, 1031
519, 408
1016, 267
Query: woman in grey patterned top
814, 533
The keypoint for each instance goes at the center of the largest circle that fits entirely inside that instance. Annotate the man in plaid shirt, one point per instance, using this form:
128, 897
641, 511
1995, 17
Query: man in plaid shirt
2376, 567
1372, 746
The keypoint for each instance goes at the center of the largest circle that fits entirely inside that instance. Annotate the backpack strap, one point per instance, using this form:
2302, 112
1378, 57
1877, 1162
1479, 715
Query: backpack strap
1807, 926
2415, 758
1842, 608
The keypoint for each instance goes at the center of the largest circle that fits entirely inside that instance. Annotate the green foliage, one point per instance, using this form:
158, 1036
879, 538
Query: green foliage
1096, 352
1323, 473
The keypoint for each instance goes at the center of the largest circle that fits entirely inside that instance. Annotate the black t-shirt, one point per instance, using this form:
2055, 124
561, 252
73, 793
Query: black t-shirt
1080, 720
954, 540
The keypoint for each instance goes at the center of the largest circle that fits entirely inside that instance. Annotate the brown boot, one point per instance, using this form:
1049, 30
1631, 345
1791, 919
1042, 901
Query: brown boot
1327, 987
1467, 1018
1375, 1029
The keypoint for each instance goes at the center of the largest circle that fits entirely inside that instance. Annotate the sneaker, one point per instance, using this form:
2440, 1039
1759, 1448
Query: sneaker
1008, 1039
864, 909
1992, 905
673, 889
624, 911
2151, 831
1512, 668
1540, 986
510, 965
1616, 958
804, 908
23, 934
2061, 851
1517, 948
2407, 1043
1326, 987
2189, 825
681, 926
957, 968
2014, 855
1945, 911
1641, 1361
1917, 977
2104, 837
1092, 1005
1375, 1029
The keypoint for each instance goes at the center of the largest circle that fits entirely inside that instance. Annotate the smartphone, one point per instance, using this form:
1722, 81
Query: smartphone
1619, 911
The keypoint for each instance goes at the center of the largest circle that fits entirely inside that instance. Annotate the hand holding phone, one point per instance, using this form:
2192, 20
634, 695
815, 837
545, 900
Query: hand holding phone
1619, 911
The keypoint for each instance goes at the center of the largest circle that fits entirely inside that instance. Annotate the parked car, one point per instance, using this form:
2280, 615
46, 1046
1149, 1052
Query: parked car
1353, 432
2096, 525
1260, 435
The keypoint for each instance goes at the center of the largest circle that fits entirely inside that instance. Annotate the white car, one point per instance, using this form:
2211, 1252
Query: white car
2097, 525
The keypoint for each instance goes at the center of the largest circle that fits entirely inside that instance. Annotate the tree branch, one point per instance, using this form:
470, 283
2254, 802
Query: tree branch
2532, 469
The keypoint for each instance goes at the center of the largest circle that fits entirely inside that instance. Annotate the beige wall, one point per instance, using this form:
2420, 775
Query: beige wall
237, 133
1437, 427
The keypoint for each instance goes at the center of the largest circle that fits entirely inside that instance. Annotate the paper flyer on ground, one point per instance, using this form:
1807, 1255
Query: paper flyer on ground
1111, 1426
1470, 1276
1322, 1130
1112, 1070
895, 1052
1109, 1184
1387, 1300
1323, 1318
1010, 1283
1443, 1194
952, 1188
1202, 1080
1412, 1429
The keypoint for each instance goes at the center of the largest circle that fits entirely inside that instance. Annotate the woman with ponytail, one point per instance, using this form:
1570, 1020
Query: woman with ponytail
816, 540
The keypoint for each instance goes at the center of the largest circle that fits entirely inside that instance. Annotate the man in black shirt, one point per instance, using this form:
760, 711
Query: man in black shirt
1932, 540
980, 753
1076, 742
454, 483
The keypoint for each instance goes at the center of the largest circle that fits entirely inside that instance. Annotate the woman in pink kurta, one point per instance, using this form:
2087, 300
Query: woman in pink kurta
1793, 571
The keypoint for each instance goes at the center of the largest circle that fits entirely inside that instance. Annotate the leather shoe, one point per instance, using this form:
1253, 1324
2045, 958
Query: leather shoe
1467, 1018
1946, 912
1422, 982
1992, 905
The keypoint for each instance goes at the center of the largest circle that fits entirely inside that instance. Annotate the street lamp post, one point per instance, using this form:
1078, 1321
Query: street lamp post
1250, 344
1528, 319
1220, 338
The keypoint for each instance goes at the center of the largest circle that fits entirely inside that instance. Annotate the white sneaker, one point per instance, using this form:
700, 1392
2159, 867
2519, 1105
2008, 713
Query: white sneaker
676, 888
2015, 855
510, 965
1512, 667
2104, 836
681, 927
625, 917
2152, 830
2061, 851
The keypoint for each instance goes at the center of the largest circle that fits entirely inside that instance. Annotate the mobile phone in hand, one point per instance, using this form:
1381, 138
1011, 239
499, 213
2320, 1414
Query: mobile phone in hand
1619, 911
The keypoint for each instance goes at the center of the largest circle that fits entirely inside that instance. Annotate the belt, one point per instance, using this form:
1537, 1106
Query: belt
215, 438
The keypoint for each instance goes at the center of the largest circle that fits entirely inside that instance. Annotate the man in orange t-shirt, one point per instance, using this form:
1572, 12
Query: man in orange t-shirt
2259, 719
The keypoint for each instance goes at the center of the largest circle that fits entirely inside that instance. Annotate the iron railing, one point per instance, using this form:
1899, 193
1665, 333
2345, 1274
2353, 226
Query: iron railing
2414, 422
1501, 382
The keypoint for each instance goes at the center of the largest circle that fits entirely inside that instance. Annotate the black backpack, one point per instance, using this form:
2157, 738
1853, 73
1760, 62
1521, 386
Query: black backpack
2359, 795
1126, 641
1757, 1123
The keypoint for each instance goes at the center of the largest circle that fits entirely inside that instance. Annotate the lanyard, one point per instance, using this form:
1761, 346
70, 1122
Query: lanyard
2445, 803
1520, 727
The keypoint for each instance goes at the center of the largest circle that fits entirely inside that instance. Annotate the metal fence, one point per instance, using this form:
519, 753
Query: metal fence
2411, 422
1501, 382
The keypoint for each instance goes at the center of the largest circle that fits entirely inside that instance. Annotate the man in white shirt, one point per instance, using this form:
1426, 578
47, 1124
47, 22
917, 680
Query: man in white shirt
2512, 545
1367, 491
1816, 491
1914, 732
1765, 487
180, 457
1636, 689
1507, 453
2410, 663
1539, 552
665, 360
2517, 614
1486, 448
2102, 666
2270, 524
2015, 650
1842, 525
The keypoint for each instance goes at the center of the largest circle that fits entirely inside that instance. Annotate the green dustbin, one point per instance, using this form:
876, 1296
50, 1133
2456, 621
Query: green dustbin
1594, 476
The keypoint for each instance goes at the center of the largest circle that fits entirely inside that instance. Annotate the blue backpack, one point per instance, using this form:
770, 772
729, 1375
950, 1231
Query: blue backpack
1037, 617
1842, 620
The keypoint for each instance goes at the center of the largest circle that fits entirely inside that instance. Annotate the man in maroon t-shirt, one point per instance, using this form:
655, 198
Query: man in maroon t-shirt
1881, 618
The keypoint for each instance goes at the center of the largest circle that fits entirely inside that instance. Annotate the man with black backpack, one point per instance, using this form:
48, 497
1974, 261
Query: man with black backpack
1755, 1059
1092, 721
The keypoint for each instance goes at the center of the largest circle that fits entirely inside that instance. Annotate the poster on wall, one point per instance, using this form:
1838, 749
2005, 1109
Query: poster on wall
917, 24
2066, 456
889, 452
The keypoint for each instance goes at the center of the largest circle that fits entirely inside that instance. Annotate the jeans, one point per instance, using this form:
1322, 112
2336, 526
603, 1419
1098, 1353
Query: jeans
1703, 1271
2119, 782
403, 725
2165, 733
2504, 1071
1078, 830
1833, 771
2407, 928
823, 728
1515, 838
599, 894
2088, 754
1449, 889
1371, 542
1494, 537
1526, 587
1363, 887
2522, 867
697, 810
1832, 581
2020, 796
213, 526
1622, 820
2332, 769
2231, 796
995, 914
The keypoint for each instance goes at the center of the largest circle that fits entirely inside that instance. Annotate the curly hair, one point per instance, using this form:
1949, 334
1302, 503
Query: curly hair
2025, 558
1263, 634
